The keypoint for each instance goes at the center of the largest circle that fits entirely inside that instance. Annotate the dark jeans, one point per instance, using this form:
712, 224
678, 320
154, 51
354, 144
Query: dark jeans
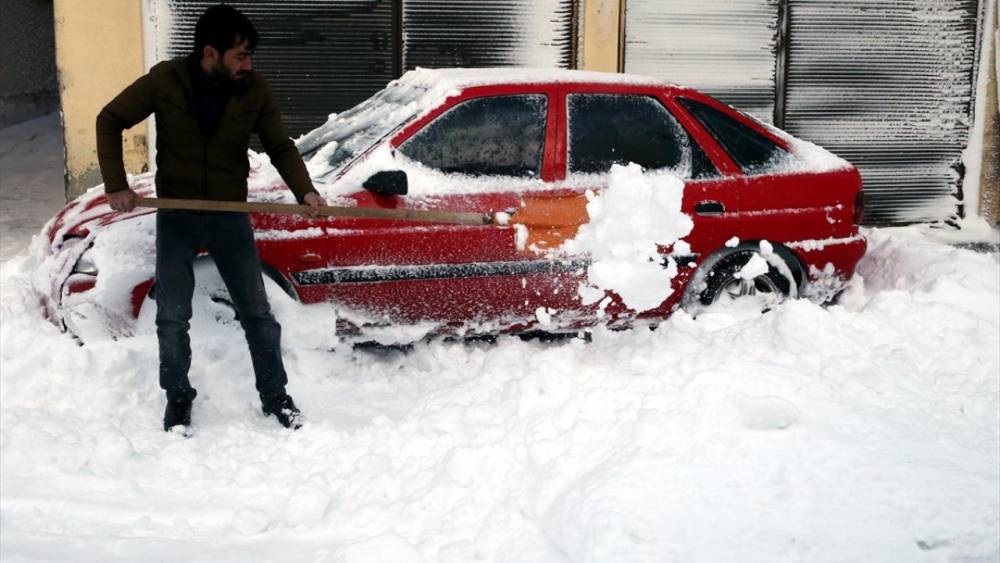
229, 239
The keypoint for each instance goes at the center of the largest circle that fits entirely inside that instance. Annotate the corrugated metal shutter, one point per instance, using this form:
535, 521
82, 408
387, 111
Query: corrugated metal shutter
324, 56
888, 85
723, 48
486, 33
320, 56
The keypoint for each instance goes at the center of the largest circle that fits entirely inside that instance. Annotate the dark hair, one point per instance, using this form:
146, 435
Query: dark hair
223, 27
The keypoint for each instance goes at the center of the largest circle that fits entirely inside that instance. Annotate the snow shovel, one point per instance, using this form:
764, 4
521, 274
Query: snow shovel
536, 212
454, 217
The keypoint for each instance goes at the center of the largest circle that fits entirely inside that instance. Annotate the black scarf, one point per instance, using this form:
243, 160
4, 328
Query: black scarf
210, 96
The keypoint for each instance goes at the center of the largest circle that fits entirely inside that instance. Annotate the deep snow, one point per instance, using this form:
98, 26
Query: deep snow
863, 431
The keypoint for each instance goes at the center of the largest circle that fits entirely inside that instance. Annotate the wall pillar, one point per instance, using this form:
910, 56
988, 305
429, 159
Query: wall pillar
603, 23
989, 179
99, 51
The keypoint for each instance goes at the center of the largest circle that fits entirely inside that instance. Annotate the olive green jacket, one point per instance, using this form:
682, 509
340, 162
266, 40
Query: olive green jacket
189, 164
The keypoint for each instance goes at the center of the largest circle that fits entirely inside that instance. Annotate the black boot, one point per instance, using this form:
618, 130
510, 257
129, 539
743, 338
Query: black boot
284, 409
178, 411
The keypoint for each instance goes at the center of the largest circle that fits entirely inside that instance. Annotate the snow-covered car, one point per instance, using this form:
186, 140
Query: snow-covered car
765, 213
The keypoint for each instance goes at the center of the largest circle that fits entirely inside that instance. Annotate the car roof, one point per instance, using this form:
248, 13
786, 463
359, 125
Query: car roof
462, 78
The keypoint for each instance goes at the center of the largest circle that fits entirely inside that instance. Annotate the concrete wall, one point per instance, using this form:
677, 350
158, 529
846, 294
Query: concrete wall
99, 51
989, 179
602, 35
27, 61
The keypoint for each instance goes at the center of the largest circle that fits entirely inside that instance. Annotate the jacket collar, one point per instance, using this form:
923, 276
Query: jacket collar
183, 74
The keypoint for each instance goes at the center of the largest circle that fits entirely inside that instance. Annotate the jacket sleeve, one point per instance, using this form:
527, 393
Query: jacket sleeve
131, 106
280, 148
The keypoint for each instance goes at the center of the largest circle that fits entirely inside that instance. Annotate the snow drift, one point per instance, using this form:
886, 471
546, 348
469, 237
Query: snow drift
863, 431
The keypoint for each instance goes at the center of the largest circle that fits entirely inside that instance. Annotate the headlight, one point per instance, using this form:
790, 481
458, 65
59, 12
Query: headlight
85, 265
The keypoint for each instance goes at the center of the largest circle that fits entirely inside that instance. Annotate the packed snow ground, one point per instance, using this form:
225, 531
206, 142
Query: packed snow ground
866, 431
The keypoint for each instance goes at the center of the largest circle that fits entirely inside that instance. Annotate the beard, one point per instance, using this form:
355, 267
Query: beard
237, 79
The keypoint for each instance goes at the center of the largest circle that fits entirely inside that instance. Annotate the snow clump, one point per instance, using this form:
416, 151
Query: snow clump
635, 215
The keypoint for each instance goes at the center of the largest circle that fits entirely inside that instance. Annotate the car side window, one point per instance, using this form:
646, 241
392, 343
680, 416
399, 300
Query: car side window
499, 135
607, 129
701, 165
753, 152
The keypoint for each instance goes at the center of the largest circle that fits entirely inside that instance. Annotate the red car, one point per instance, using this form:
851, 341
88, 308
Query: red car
527, 143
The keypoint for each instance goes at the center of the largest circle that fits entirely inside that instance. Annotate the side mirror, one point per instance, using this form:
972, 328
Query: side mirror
387, 182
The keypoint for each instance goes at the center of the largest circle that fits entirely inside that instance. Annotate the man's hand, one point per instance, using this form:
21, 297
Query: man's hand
314, 201
123, 200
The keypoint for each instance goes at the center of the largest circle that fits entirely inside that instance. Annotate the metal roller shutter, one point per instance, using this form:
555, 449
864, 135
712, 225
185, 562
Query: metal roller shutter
888, 85
723, 48
324, 56
481, 33
320, 56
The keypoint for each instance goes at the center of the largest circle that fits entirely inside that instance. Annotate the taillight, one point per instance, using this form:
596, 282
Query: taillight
859, 207
78, 283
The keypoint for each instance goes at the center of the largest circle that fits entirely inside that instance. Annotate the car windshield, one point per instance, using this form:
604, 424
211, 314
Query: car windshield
329, 147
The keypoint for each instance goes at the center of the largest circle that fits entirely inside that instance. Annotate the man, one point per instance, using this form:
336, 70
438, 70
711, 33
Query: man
207, 104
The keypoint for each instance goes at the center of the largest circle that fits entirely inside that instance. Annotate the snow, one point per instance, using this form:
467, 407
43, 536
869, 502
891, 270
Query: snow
637, 213
331, 146
807, 156
460, 78
863, 431
351, 146
755, 267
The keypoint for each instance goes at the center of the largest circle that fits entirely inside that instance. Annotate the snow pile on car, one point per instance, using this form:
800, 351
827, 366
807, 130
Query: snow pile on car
637, 213
352, 142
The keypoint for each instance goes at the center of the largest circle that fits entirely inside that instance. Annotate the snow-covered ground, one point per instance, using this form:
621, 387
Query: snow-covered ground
865, 431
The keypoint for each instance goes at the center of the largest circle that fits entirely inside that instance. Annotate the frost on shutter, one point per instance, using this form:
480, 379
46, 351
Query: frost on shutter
320, 56
886, 84
723, 48
486, 33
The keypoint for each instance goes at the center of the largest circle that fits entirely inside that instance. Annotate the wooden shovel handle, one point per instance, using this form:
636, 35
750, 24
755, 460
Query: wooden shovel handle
452, 217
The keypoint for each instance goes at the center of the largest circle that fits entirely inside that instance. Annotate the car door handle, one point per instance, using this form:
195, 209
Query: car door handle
709, 208
310, 258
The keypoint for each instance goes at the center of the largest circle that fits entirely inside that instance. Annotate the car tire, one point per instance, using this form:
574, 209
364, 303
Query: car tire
722, 279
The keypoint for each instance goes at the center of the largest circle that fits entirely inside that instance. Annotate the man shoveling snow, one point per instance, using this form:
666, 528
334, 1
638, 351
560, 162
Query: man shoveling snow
207, 104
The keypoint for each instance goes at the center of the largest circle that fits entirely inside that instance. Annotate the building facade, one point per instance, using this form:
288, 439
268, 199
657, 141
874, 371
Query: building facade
901, 88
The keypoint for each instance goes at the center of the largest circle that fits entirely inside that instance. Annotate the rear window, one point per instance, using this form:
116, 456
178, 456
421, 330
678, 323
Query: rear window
753, 152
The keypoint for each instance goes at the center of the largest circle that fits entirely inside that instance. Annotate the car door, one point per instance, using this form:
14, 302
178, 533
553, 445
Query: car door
772, 193
618, 125
464, 156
